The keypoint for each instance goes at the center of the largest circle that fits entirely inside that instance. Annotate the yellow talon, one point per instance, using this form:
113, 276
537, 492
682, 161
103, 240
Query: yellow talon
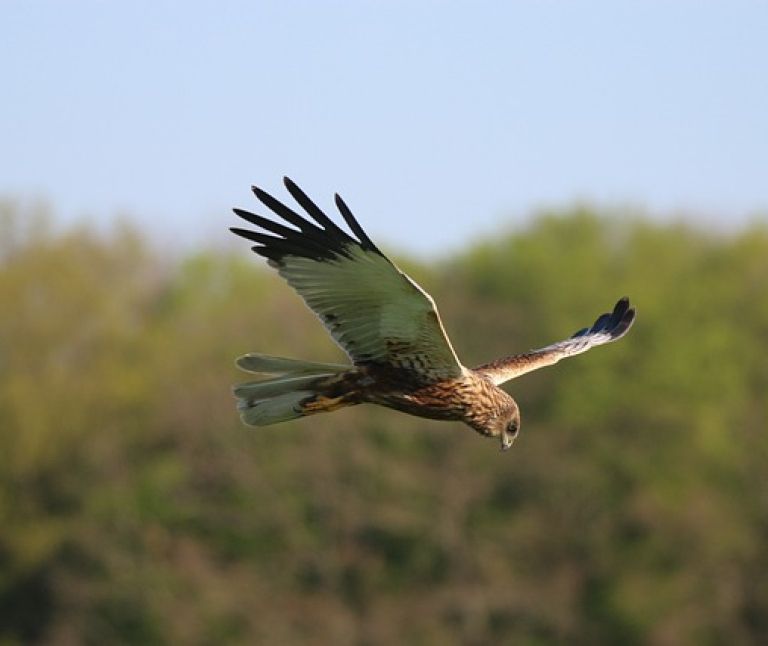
322, 404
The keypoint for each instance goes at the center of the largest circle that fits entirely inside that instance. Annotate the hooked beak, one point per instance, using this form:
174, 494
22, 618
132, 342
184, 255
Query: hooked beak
507, 440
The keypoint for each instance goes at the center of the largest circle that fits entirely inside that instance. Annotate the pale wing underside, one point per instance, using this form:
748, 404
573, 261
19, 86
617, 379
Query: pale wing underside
607, 328
375, 312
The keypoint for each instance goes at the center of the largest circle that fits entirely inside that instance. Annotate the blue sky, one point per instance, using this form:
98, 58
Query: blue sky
435, 120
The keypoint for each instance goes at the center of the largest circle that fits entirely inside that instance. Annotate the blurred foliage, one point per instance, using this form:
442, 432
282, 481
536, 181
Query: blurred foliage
135, 509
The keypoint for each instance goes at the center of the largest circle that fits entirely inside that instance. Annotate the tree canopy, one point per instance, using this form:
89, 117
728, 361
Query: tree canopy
633, 508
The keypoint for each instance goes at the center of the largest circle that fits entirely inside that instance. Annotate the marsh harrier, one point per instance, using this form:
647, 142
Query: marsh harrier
389, 327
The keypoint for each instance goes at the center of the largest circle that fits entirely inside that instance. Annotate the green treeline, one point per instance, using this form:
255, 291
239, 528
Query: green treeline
633, 508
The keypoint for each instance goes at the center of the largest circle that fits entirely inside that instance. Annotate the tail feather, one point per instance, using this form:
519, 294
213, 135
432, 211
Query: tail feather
271, 411
267, 388
298, 390
266, 364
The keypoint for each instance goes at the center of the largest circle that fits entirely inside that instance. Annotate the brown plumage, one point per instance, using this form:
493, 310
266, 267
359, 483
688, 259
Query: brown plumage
388, 326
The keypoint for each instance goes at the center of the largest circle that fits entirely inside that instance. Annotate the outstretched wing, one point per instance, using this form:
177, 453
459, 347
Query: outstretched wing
608, 327
374, 311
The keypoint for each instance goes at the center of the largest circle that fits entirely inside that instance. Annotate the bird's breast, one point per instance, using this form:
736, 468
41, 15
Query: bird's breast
469, 398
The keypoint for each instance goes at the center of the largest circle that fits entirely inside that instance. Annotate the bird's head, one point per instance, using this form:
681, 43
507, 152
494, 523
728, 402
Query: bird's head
511, 428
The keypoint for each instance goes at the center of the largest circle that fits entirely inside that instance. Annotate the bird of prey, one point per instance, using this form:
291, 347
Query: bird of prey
389, 328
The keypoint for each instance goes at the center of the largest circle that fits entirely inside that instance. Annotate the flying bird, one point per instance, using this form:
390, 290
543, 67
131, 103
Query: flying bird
388, 326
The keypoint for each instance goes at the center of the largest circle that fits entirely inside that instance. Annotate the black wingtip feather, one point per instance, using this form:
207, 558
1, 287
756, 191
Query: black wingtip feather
622, 305
264, 223
281, 210
314, 211
324, 242
626, 322
353, 224
615, 323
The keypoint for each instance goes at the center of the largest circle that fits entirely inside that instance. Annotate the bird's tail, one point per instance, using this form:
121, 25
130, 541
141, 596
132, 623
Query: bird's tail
295, 388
